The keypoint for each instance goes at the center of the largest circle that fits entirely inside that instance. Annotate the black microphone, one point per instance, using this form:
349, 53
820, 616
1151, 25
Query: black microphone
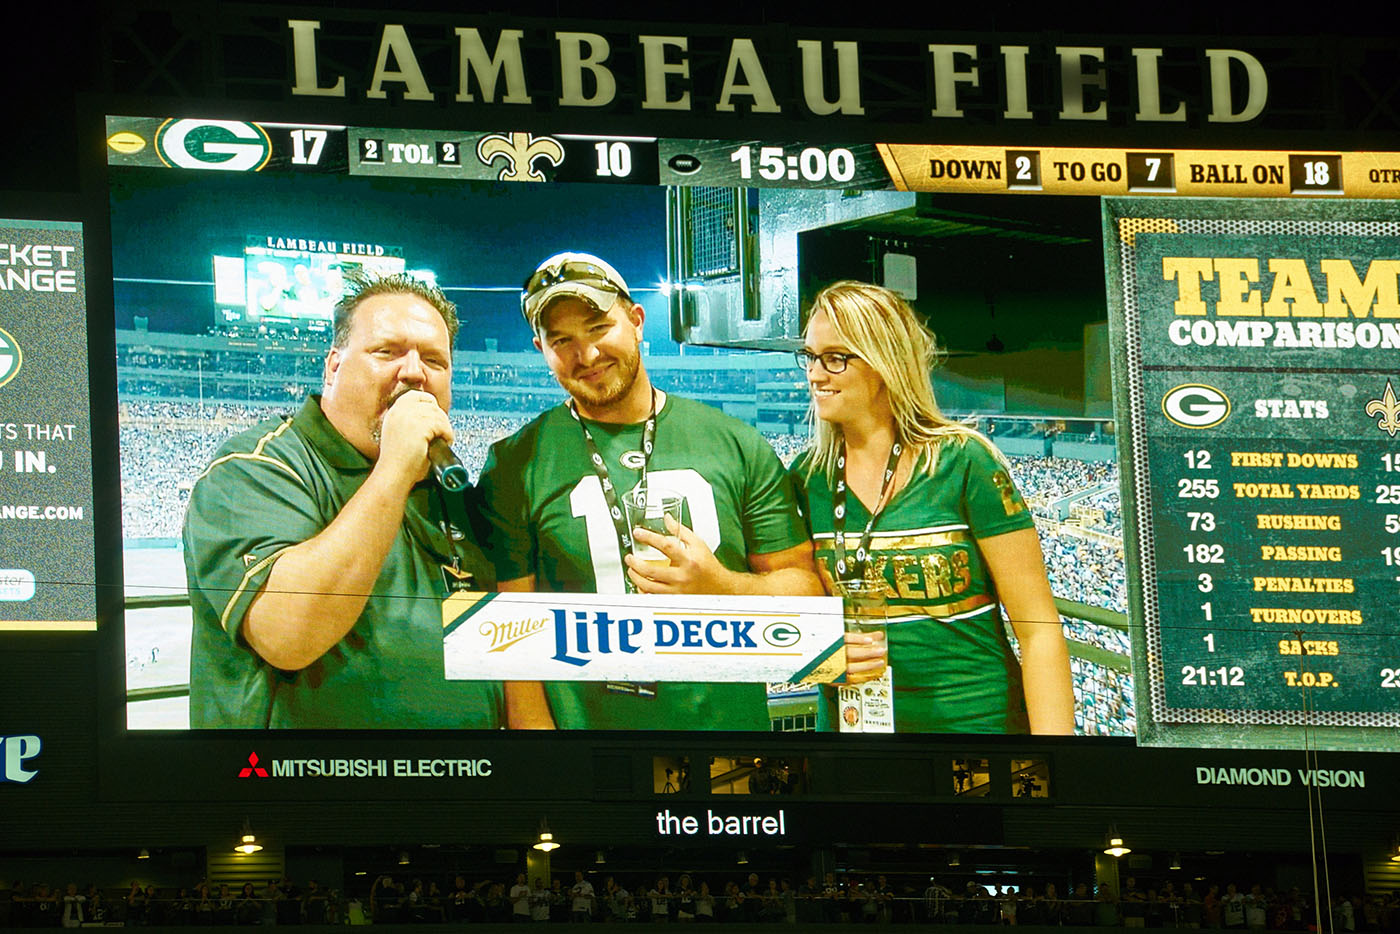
447, 468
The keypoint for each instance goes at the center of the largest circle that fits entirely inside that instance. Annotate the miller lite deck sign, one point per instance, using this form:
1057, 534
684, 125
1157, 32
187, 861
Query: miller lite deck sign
652, 637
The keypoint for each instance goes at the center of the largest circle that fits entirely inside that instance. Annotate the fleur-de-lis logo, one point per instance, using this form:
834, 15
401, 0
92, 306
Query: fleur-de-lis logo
1388, 408
520, 151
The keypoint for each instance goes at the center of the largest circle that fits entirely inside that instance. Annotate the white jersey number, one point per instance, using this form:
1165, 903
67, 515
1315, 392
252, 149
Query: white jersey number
588, 504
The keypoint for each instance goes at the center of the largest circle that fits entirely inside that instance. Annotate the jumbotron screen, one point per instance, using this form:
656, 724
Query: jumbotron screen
290, 283
231, 465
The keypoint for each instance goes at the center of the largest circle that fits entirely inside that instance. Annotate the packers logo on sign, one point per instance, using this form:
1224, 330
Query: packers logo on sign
228, 145
781, 635
1196, 405
10, 357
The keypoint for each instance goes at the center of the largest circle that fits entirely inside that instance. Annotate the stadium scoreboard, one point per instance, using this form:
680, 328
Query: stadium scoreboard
1257, 353
1252, 339
525, 156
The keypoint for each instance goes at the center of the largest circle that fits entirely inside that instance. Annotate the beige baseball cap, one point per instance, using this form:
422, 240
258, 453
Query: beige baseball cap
574, 275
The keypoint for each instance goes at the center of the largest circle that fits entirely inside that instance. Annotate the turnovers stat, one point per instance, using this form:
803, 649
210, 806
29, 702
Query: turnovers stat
1258, 370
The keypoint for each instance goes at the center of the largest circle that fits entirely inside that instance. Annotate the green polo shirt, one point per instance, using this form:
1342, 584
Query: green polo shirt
276, 486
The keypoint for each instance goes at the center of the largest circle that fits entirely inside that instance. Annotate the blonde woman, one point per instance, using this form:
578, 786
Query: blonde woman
924, 509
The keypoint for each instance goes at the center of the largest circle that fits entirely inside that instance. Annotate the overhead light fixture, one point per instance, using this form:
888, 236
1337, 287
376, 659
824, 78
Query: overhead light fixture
954, 859
1115, 846
1176, 861
601, 859
546, 842
144, 854
248, 844
1395, 857
743, 857
403, 858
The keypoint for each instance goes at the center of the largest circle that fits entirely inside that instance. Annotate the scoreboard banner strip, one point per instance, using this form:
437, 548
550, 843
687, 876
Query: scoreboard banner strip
642, 637
194, 143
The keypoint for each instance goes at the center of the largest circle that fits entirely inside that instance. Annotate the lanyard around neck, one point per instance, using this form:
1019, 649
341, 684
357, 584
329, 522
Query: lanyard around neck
600, 469
855, 570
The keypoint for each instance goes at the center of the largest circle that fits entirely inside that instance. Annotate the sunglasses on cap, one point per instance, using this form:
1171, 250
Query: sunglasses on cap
569, 271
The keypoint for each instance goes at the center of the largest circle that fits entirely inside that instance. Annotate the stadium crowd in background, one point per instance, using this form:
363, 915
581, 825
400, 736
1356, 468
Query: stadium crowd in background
165, 444
652, 898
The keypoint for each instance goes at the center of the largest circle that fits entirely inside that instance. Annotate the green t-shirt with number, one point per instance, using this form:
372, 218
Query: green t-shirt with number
953, 668
280, 484
544, 514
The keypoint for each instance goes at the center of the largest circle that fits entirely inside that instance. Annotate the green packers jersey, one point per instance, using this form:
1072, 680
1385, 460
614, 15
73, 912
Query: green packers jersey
278, 485
545, 515
954, 670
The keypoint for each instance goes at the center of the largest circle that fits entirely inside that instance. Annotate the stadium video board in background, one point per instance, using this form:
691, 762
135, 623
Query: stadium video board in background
46, 522
1257, 344
1013, 289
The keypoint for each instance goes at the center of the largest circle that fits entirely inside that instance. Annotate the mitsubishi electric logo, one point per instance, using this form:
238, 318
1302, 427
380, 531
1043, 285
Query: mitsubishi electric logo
252, 768
366, 768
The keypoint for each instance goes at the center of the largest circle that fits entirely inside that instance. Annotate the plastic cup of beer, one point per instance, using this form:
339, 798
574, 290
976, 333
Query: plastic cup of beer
866, 614
647, 508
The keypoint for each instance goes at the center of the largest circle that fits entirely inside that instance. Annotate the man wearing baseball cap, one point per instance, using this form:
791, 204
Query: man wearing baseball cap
550, 494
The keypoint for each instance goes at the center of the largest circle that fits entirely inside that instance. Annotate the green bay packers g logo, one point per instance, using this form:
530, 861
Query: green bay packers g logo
10, 357
781, 635
229, 145
1195, 405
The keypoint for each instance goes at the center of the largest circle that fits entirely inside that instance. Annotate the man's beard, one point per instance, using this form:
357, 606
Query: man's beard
617, 384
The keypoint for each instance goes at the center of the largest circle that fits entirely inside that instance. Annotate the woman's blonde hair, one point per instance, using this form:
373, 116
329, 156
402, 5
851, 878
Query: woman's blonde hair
881, 329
